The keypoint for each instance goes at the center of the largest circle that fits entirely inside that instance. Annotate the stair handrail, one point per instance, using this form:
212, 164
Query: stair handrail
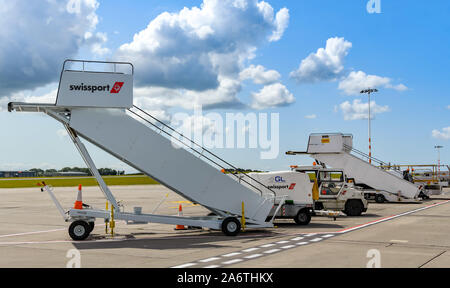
203, 149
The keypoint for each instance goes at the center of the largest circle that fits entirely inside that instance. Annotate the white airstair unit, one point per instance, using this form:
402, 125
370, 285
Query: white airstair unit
95, 102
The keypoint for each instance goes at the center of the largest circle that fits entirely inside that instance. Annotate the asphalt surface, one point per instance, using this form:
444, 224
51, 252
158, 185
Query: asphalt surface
33, 234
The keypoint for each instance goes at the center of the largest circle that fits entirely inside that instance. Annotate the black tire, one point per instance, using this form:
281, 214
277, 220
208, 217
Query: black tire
79, 230
303, 217
354, 208
379, 198
231, 226
91, 226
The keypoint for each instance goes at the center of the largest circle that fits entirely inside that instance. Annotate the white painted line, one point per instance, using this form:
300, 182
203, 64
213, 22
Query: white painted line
288, 246
272, 251
209, 259
253, 256
185, 265
30, 233
232, 254
282, 242
316, 240
391, 217
399, 241
63, 241
232, 261
297, 238
328, 236
250, 249
267, 245
212, 266
310, 235
301, 243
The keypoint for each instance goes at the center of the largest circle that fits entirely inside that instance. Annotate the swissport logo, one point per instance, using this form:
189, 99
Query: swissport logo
280, 187
116, 88
98, 88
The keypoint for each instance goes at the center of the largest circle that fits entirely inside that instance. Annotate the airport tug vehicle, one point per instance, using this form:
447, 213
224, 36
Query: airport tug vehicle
336, 192
298, 196
95, 102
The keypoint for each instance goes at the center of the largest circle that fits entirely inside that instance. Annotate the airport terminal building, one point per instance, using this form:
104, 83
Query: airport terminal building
12, 174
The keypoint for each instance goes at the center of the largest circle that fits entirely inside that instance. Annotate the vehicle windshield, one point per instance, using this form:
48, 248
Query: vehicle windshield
331, 182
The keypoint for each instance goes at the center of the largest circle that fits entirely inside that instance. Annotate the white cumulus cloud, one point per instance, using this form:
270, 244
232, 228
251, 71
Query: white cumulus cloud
270, 96
36, 36
260, 75
326, 64
444, 134
358, 110
199, 52
357, 81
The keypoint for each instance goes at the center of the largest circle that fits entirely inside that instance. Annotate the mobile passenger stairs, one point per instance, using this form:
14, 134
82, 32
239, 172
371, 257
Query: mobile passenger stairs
336, 150
95, 102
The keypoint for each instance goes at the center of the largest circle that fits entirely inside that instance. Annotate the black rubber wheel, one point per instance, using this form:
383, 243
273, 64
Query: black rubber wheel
303, 217
231, 226
353, 208
379, 198
79, 230
91, 226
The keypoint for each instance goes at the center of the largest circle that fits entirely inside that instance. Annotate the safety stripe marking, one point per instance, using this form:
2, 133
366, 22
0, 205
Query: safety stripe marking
297, 238
253, 256
185, 265
232, 261
288, 246
272, 251
322, 237
209, 259
267, 245
232, 254
250, 249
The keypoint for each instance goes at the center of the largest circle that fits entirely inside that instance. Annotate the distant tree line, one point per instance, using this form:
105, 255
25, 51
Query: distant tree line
50, 172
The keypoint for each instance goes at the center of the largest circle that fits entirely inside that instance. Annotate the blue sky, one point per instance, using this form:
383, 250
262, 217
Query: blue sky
404, 49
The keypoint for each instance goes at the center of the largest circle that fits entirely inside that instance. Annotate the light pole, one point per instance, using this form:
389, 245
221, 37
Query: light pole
368, 92
439, 158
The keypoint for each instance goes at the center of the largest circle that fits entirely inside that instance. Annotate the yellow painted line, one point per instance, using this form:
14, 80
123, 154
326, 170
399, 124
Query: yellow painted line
181, 202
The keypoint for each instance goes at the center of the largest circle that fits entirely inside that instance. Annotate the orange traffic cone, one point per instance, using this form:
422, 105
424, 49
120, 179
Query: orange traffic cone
79, 203
180, 214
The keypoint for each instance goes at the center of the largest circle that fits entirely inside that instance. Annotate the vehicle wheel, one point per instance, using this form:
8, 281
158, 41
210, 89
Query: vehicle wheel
91, 226
231, 226
379, 198
353, 208
302, 218
79, 230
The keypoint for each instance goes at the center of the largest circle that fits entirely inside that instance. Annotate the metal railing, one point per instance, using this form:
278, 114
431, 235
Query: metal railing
202, 152
84, 63
367, 157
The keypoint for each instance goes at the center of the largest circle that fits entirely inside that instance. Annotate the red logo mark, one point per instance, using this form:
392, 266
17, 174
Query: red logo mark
292, 186
116, 88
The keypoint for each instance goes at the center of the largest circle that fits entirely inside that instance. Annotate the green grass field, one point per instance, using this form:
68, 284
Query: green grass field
75, 181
